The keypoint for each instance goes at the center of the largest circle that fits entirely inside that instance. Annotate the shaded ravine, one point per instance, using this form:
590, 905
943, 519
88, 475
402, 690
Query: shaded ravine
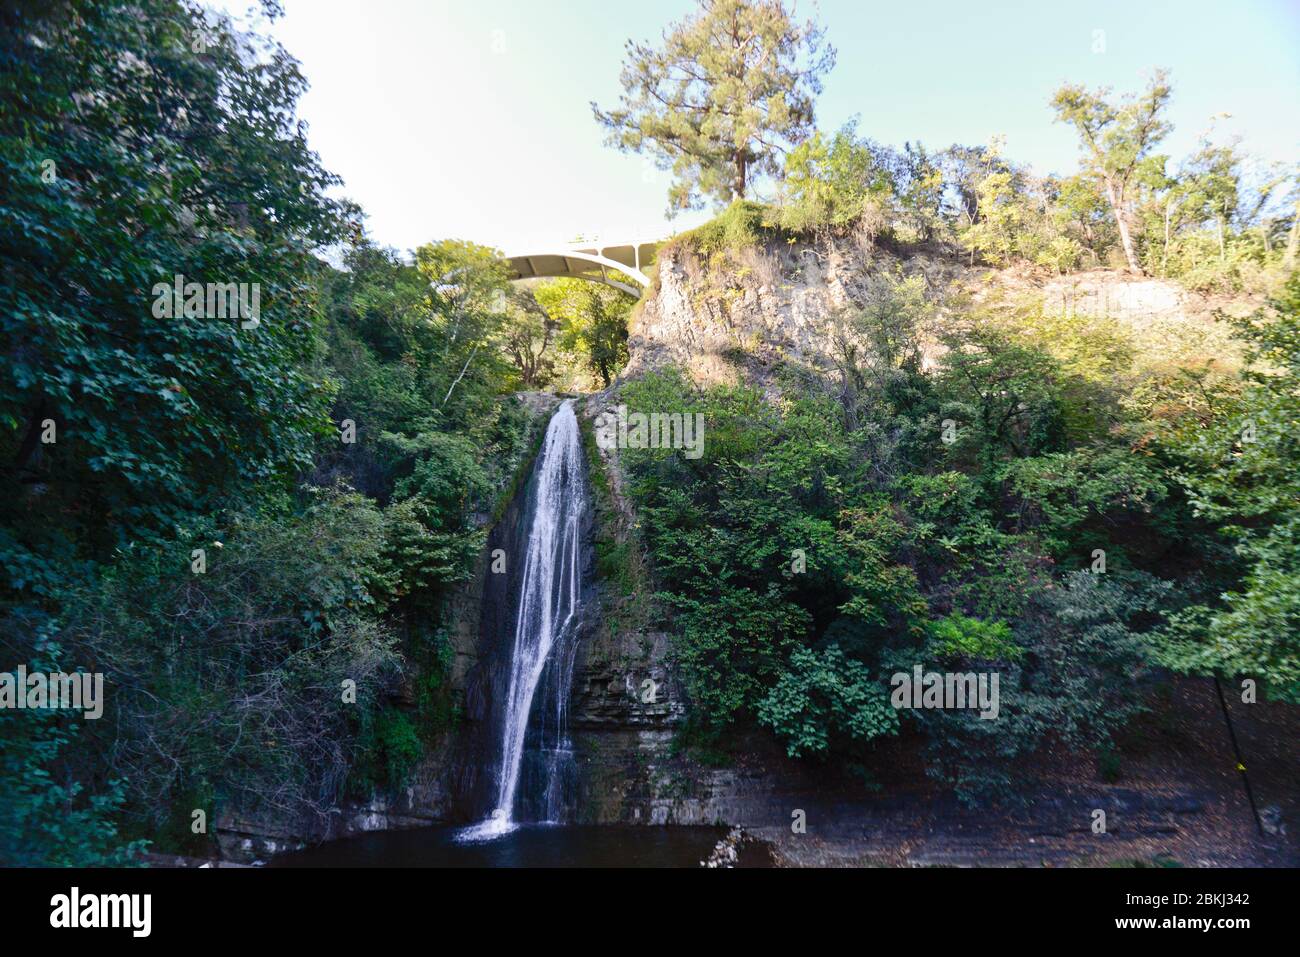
532, 765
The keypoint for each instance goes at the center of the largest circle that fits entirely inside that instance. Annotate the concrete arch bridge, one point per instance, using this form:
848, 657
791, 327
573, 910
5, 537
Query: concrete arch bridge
621, 265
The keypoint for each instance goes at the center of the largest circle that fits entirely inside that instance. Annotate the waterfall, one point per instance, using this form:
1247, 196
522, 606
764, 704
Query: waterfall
545, 633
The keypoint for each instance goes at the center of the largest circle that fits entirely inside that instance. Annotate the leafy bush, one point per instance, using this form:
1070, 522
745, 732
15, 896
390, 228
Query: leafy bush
971, 639
231, 682
388, 750
1240, 471
823, 695
47, 817
833, 182
741, 225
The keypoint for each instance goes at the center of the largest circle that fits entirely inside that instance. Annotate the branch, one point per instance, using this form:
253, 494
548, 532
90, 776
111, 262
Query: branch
463, 370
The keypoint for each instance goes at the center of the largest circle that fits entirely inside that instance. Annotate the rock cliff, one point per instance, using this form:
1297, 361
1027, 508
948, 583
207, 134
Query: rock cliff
743, 315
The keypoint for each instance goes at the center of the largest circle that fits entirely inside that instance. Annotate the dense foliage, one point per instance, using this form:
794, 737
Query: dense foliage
251, 521
248, 522
1017, 509
1240, 471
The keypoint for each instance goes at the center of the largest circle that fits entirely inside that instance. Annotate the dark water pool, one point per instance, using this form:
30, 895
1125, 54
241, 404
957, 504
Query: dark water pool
528, 846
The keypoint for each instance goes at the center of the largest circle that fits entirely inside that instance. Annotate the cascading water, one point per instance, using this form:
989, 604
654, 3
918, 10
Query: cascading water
545, 634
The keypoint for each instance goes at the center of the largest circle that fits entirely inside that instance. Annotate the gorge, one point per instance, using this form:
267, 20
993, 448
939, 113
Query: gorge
400, 529
574, 707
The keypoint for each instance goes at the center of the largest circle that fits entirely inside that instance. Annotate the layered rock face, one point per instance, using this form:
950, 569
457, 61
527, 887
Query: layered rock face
628, 707
772, 305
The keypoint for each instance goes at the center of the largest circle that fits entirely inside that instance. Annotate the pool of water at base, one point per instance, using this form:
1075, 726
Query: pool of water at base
529, 845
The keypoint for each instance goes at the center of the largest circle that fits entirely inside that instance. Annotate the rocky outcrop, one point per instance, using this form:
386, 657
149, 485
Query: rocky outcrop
771, 307
744, 315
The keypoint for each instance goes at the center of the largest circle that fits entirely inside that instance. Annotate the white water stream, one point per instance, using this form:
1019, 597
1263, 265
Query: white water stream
547, 606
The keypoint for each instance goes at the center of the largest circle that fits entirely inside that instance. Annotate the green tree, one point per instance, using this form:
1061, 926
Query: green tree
729, 90
1081, 212
1241, 471
526, 338
920, 191
140, 143
147, 140
1002, 392
1207, 190
48, 817
834, 181
593, 322
964, 168
469, 290
996, 234
1117, 136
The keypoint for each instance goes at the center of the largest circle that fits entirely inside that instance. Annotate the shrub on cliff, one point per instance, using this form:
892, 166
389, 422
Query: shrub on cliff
883, 515
1240, 470
834, 182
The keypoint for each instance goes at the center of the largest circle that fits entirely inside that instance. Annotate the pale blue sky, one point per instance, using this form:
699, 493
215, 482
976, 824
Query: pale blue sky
470, 118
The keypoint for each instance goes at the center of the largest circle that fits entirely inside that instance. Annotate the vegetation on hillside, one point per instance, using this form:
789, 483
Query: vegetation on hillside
252, 522
727, 105
230, 519
1021, 508
1214, 222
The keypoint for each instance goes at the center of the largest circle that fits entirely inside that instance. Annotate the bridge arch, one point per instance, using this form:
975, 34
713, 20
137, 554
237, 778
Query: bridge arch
597, 263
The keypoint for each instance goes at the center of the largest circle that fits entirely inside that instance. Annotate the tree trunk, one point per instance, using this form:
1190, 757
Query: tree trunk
1121, 220
1164, 260
1293, 239
739, 186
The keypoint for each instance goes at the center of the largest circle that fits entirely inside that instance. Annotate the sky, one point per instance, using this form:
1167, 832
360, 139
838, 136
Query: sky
471, 119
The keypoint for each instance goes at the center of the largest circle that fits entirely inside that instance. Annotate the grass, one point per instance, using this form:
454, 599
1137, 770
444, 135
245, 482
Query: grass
742, 224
